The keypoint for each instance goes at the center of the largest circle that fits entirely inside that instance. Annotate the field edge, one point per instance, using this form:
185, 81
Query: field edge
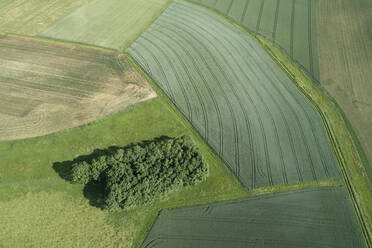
347, 165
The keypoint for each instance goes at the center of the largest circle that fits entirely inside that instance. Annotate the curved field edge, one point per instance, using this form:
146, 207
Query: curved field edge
341, 135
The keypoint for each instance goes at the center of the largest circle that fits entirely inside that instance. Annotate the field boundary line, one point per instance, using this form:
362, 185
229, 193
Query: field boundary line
336, 146
58, 41
140, 32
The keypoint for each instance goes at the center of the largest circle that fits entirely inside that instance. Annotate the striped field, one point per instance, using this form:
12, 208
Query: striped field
288, 23
238, 99
107, 23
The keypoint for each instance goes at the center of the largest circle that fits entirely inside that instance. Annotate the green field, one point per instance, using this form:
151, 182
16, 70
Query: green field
40, 209
345, 57
47, 87
107, 23
237, 98
290, 24
33, 16
316, 218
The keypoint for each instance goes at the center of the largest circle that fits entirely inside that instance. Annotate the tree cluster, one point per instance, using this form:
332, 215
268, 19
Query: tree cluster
137, 174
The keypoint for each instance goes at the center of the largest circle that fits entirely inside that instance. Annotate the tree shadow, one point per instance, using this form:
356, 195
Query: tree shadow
94, 191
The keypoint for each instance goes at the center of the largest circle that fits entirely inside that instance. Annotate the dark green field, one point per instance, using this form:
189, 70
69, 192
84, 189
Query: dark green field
316, 218
238, 99
290, 24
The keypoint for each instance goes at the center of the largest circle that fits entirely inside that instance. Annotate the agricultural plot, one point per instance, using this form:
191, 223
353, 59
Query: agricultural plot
316, 218
345, 56
288, 23
237, 98
107, 23
46, 87
33, 16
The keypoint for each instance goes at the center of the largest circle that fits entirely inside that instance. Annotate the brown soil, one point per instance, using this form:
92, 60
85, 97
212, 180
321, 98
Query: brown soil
47, 87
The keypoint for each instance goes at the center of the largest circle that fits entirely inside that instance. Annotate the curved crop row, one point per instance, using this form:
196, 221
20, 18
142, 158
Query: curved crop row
245, 107
300, 12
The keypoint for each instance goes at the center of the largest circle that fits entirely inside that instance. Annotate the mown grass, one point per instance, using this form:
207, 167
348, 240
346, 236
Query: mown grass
351, 162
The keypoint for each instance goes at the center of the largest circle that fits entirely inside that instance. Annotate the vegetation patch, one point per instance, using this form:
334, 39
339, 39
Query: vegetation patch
138, 174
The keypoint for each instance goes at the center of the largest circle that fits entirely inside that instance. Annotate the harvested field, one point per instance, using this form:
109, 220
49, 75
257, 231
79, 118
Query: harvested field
33, 16
107, 23
46, 87
238, 99
316, 218
345, 56
288, 23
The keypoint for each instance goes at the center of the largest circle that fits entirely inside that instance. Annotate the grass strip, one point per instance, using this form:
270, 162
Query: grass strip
350, 161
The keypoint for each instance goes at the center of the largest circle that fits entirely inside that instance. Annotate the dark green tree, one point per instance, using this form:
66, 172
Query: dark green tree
138, 174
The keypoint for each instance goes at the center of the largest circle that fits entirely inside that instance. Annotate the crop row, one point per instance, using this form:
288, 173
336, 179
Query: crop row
237, 98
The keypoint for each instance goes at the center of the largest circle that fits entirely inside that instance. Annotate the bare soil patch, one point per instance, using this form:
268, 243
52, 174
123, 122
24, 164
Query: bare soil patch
47, 87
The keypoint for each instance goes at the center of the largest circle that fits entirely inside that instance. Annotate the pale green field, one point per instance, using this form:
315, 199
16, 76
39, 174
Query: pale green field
33, 16
108, 23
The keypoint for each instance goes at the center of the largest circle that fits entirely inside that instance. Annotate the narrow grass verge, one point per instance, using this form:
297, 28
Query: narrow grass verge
351, 164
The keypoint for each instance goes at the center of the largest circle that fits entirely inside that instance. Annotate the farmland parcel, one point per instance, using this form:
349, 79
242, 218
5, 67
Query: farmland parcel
345, 55
46, 87
107, 23
33, 16
288, 23
40, 209
236, 97
315, 218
